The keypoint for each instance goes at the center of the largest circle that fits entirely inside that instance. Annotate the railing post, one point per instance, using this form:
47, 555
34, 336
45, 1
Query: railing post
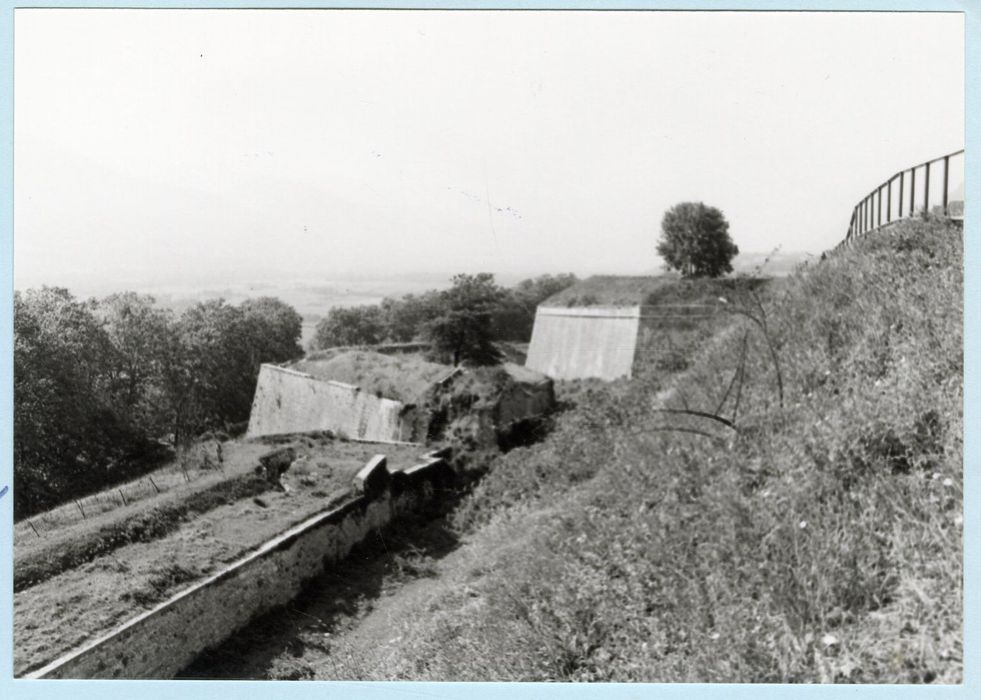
926, 190
912, 191
899, 209
889, 201
878, 196
946, 177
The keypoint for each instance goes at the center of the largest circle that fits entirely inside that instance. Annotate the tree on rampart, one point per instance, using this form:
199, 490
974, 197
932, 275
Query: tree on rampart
695, 241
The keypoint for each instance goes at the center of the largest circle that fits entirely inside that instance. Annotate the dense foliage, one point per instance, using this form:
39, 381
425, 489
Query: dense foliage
349, 325
98, 383
506, 314
695, 240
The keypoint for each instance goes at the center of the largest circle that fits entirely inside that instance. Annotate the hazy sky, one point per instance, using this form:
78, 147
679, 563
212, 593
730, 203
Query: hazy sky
155, 145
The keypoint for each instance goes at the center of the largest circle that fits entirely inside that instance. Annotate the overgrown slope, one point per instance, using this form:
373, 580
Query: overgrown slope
807, 529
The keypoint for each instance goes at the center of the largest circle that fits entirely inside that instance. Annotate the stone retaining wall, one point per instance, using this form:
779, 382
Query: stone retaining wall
160, 642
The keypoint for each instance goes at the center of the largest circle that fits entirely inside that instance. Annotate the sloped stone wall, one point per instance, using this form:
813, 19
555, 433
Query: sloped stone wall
584, 342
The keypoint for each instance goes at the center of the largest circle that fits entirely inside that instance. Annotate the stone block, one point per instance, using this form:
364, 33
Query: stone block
373, 476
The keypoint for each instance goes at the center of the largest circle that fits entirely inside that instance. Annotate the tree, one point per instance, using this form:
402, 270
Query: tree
464, 330
515, 316
139, 333
273, 330
68, 436
403, 319
695, 241
354, 325
211, 374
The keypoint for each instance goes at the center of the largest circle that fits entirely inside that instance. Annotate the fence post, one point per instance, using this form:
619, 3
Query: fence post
889, 201
946, 176
912, 191
899, 207
878, 196
926, 190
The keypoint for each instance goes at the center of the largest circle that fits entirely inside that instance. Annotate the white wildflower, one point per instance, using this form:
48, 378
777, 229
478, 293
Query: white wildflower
803, 524
829, 640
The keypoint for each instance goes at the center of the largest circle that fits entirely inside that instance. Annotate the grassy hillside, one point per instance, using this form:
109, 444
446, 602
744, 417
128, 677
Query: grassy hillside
807, 528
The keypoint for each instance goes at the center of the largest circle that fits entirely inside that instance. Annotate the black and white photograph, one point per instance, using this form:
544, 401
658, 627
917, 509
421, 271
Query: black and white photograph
607, 346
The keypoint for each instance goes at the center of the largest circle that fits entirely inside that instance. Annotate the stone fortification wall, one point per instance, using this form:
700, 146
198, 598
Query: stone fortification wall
287, 401
164, 640
583, 342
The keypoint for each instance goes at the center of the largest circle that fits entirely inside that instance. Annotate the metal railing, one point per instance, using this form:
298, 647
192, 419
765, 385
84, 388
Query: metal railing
906, 194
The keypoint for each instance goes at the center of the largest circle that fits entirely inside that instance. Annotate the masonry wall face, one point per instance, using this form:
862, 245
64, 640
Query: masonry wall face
164, 640
287, 401
584, 342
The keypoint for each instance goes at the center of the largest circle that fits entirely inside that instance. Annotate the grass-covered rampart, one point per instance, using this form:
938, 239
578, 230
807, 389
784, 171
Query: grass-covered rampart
807, 528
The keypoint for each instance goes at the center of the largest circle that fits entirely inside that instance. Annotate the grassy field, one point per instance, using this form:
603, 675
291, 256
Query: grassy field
179, 545
785, 508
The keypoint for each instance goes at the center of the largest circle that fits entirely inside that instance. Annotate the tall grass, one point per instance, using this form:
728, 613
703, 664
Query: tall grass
816, 540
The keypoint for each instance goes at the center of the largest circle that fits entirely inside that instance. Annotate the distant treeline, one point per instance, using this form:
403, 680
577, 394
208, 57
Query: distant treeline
98, 383
510, 312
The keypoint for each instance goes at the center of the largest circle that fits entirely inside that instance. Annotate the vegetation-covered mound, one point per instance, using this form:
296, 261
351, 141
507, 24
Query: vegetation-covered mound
609, 290
788, 509
702, 290
401, 377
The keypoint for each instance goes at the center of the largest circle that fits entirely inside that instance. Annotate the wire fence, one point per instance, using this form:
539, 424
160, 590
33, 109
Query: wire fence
189, 466
934, 187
